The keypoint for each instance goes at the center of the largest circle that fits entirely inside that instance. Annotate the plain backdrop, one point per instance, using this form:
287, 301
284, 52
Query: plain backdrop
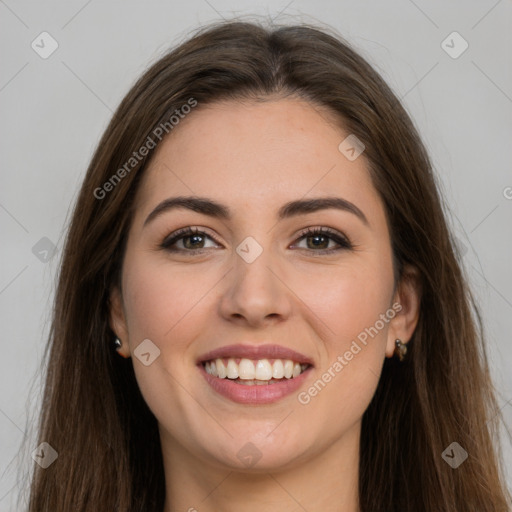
54, 110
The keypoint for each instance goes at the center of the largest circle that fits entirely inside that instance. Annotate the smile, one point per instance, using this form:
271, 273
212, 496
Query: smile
254, 372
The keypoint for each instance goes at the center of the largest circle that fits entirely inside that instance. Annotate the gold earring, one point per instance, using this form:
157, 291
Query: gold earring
400, 350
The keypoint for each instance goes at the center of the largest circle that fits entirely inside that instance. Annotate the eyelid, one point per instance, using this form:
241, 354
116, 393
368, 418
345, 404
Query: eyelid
187, 231
343, 241
324, 229
339, 237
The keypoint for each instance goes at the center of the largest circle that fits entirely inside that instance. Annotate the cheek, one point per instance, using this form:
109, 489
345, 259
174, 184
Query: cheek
353, 304
348, 299
159, 306
357, 329
159, 299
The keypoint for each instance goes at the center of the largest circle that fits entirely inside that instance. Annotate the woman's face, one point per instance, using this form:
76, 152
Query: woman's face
252, 279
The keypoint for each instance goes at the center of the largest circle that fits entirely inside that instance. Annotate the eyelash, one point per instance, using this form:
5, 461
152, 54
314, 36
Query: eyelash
344, 243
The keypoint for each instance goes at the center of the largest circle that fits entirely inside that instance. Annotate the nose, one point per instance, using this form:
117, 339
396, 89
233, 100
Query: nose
256, 293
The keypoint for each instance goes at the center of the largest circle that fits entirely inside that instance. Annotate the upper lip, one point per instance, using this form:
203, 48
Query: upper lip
256, 352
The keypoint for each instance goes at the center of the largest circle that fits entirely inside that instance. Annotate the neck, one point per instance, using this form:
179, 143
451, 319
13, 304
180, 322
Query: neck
328, 481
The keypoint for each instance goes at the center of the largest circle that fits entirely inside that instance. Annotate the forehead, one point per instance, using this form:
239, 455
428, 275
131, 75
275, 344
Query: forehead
255, 156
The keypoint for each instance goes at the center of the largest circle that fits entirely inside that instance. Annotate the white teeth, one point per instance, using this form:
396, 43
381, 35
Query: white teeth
232, 370
263, 370
288, 369
221, 369
278, 369
246, 369
258, 372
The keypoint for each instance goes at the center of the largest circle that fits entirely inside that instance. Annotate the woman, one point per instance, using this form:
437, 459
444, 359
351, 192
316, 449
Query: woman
261, 238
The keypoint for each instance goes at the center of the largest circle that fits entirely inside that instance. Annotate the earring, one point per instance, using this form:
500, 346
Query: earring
118, 344
400, 349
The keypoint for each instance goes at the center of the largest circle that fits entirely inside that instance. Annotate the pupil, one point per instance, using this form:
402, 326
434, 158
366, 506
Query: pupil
190, 237
317, 237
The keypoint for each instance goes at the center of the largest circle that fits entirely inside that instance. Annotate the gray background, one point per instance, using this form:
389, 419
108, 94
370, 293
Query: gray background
55, 109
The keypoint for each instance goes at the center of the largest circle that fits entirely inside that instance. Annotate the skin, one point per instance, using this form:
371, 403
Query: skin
254, 157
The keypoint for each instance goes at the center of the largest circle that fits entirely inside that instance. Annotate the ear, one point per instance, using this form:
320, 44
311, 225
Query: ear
117, 320
408, 296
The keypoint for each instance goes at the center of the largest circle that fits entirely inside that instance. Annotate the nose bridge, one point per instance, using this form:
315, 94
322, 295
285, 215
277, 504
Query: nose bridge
253, 264
255, 291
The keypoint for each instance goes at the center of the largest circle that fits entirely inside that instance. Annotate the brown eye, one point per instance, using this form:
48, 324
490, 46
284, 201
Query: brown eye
192, 239
318, 239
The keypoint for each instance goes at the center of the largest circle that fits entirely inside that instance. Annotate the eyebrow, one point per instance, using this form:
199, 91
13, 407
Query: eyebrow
212, 208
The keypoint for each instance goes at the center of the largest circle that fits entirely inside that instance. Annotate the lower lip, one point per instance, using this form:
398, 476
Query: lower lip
256, 394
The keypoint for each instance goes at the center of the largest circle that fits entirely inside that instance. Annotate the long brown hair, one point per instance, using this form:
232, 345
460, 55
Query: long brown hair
93, 413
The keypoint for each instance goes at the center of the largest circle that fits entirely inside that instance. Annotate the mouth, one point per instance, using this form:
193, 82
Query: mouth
251, 372
254, 374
